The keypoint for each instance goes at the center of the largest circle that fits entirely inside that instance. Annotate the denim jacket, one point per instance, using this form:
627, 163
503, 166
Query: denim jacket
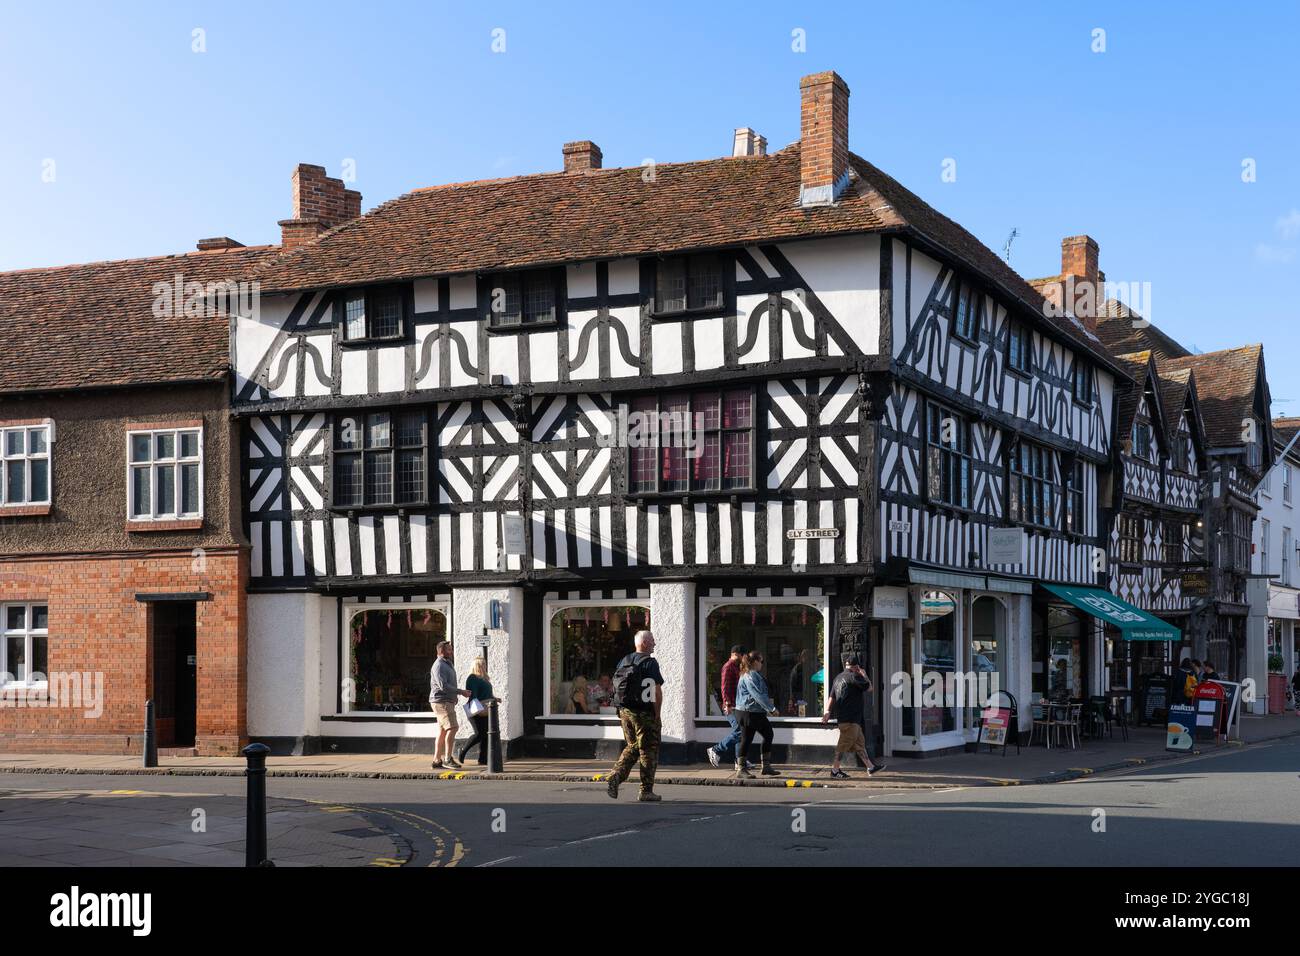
751, 694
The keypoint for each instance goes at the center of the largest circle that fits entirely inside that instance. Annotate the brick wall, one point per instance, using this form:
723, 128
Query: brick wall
96, 625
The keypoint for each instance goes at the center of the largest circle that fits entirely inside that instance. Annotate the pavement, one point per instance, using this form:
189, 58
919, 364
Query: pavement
1032, 765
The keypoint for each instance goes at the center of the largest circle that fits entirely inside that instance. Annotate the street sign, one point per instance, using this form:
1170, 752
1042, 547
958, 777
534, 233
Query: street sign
795, 534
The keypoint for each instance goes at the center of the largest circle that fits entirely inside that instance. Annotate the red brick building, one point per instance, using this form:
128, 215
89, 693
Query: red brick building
122, 562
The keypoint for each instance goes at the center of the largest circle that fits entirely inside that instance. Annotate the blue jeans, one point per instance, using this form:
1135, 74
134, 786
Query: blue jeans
727, 745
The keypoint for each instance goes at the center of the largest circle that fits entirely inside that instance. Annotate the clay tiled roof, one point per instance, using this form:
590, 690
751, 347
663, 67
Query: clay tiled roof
93, 326
1226, 383
554, 218
1123, 331
1284, 430
1137, 364
1174, 386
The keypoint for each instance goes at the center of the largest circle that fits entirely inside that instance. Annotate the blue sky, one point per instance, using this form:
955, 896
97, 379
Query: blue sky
1141, 146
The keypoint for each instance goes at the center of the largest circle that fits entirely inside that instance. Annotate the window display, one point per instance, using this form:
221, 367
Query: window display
792, 639
587, 642
391, 651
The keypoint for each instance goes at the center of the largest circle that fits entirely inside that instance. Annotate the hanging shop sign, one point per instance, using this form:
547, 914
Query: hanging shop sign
889, 603
1006, 546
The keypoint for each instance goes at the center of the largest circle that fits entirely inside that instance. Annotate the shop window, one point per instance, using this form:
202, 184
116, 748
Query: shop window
587, 642
24, 656
391, 650
791, 638
1065, 665
939, 654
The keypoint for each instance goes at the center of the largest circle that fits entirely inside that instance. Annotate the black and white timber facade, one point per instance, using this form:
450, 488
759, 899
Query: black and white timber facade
425, 457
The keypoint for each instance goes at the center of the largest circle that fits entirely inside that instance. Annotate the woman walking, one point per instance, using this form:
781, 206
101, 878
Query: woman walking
479, 689
753, 704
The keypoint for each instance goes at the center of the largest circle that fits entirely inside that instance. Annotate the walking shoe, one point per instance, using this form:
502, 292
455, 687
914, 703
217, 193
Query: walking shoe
839, 775
438, 765
649, 797
876, 768
714, 757
454, 763
768, 771
742, 771
611, 785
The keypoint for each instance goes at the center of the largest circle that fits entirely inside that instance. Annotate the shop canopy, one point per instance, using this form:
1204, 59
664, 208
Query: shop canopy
1135, 623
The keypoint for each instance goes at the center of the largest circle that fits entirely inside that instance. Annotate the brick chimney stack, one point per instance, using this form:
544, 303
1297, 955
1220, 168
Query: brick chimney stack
319, 203
581, 157
1081, 279
823, 138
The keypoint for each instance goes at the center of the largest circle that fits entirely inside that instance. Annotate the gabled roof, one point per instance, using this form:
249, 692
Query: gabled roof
1227, 383
1175, 386
1141, 367
93, 325
554, 218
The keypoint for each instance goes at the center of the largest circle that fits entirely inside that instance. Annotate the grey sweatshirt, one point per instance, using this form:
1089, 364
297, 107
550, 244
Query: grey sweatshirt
442, 683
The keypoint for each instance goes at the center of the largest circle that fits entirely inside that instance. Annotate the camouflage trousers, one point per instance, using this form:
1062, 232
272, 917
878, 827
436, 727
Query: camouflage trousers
641, 734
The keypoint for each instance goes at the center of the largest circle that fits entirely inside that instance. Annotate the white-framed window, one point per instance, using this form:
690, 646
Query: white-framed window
1264, 531
26, 455
164, 474
24, 655
388, 655
1286, 556
1286, 483
586, 641
792, 634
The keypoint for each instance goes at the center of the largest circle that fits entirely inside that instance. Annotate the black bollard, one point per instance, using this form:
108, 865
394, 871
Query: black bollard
150, 736
255, 810
494, 761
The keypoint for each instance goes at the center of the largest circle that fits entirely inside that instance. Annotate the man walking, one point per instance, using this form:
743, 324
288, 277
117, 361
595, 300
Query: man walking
847, 701
638, 694
442, 698
726, 747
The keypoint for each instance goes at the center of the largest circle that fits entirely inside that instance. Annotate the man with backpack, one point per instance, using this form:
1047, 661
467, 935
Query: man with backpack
638, 695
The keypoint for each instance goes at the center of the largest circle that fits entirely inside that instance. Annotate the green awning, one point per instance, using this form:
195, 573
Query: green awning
1135, 623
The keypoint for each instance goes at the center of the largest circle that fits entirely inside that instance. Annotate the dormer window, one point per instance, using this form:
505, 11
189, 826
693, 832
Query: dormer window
688, 284
372, 314
521, 299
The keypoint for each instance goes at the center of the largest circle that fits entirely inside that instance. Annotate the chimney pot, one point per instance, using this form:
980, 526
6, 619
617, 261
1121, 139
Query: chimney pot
748, 143
581, 157
823, 138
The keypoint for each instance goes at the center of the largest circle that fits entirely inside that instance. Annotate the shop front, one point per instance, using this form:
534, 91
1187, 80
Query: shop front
960, 643
1088, 642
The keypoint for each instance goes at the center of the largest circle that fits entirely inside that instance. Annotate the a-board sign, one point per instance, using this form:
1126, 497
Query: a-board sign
1154, 692
1208, 702
1180, 726
995, 726
996, 720
1231, 703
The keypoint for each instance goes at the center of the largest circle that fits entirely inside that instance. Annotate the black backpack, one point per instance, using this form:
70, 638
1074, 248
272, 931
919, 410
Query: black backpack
627, 682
